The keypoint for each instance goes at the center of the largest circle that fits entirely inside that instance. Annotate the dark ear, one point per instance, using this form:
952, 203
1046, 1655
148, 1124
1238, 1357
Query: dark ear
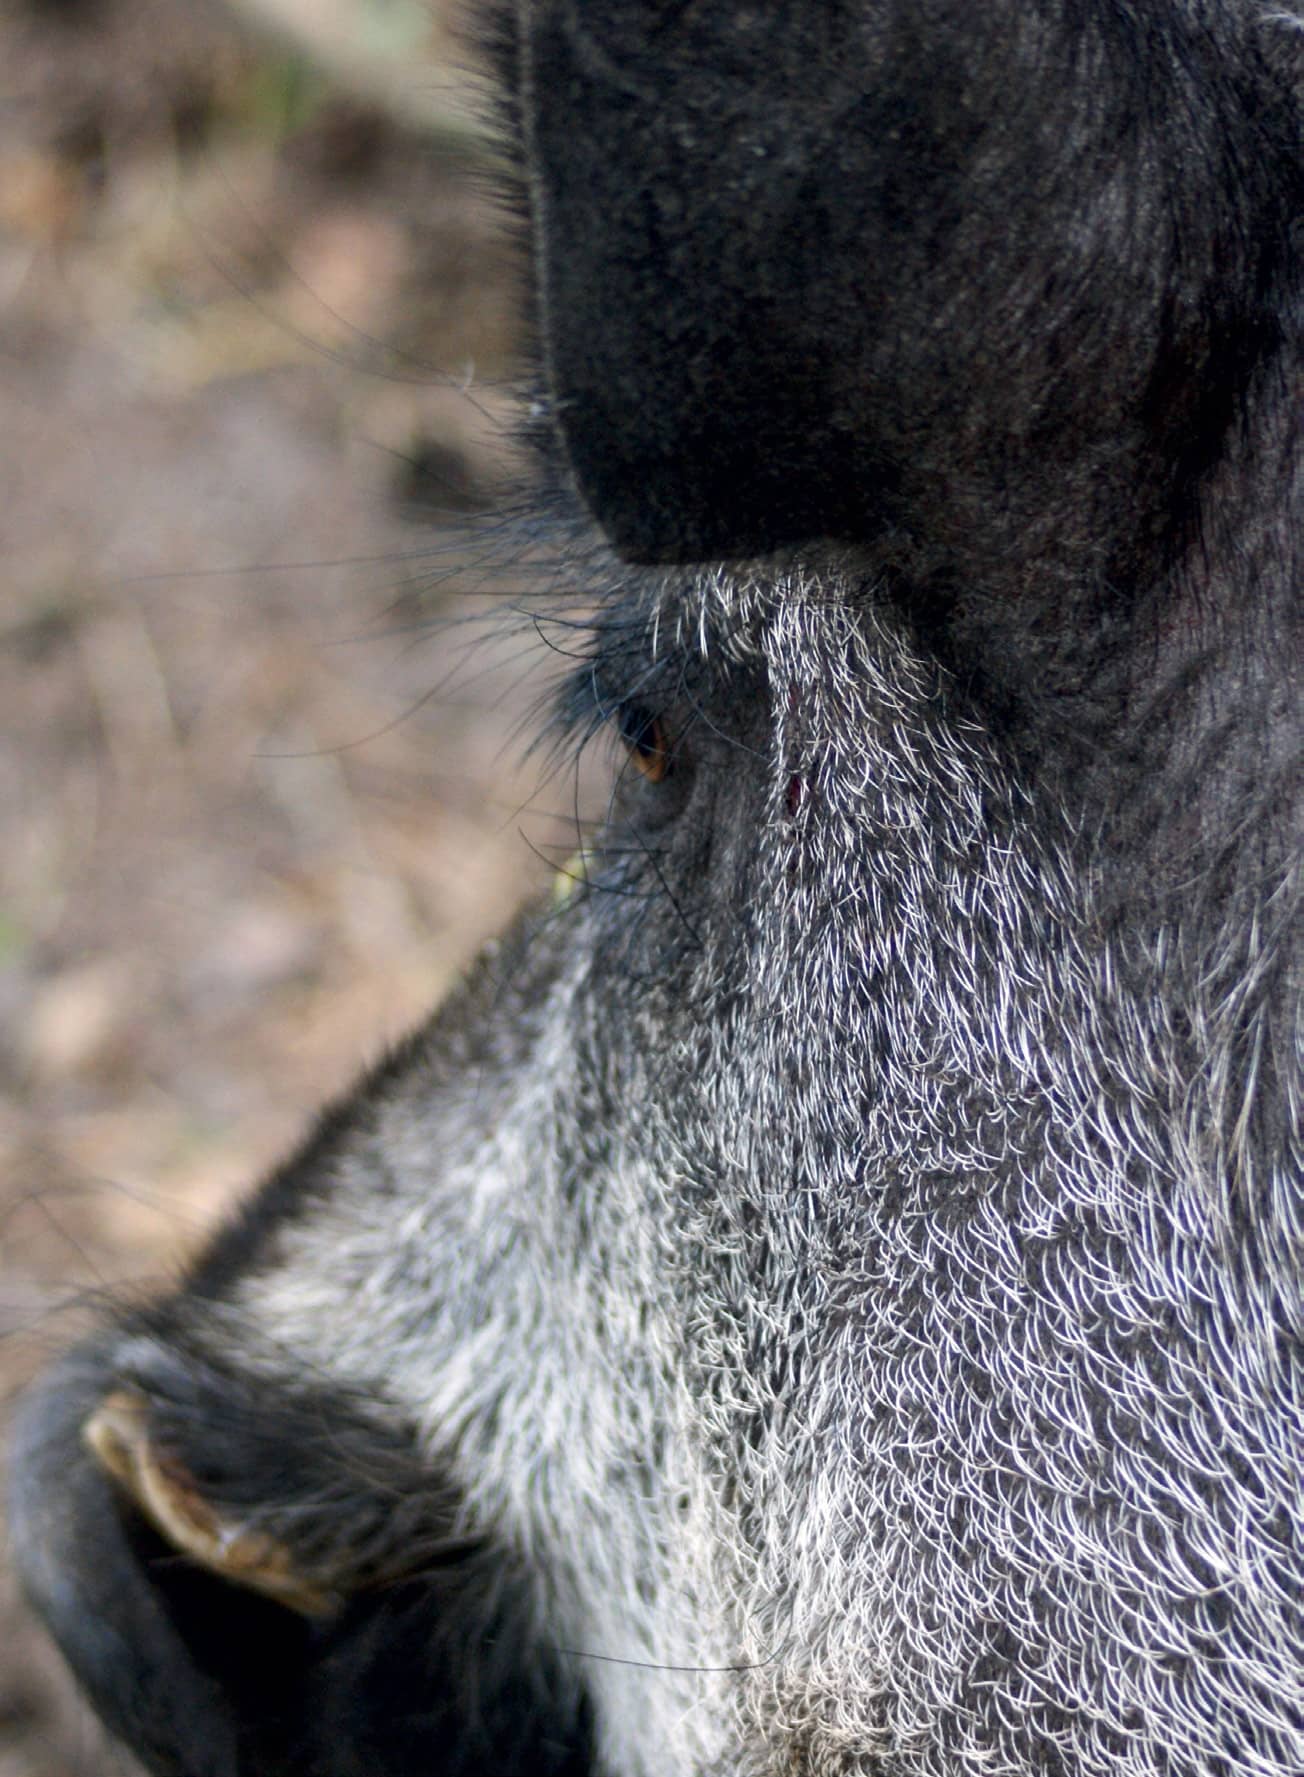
958, 280
102, 1581
686, 198
251, 1583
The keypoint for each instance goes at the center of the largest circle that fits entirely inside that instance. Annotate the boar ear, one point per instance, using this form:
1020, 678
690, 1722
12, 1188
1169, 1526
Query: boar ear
119, 1435
90, 1566
674, 289
249, 1581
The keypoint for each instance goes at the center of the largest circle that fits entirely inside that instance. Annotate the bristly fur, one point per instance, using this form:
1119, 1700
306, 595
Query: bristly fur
825, 1298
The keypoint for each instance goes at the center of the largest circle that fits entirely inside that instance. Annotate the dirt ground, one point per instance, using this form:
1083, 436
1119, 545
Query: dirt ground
259, 794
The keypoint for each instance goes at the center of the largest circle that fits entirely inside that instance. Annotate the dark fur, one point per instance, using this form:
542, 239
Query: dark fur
827, 1299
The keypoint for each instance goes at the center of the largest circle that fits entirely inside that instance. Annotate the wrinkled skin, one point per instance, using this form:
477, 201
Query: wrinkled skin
827, 1298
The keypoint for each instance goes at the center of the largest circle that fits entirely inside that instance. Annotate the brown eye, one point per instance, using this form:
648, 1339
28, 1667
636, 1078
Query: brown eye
645, 739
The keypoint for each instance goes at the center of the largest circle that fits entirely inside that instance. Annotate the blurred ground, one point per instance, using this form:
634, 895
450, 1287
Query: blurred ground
256, 805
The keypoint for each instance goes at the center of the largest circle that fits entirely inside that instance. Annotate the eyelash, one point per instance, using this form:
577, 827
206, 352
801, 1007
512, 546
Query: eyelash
585, 707
645, 742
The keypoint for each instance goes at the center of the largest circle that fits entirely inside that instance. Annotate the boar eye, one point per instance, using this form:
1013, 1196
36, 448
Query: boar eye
644, 736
